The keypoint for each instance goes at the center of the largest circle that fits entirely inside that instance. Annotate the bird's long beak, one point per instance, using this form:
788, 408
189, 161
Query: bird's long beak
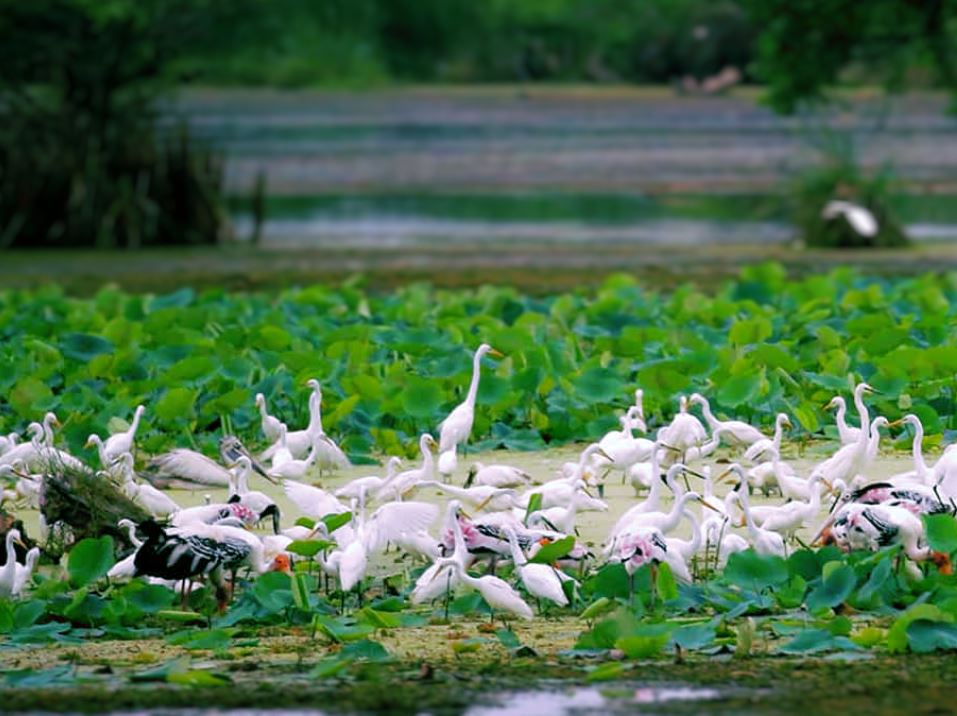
711, 507
496, 354
603, 454
20, 542
720, 478
895, 423
689, 471
827, 523
869, 389
669, 447
484, 503
88, 443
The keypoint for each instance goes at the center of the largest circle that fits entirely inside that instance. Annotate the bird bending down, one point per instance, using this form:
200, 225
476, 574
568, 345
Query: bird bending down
496, 592
497, 476
737, 432
539, 580
761, 449
186, 469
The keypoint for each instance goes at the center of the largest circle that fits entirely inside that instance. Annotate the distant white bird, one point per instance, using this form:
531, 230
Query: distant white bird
118, 443
370, 484
281, 454
622, 447
861, 220
847, 433
404, 482
457, 427
294, 469
762, 449
479, 497
8, 442
148, 497
562, 518
13, 575
737, 432
298, 443
270, 424
497, 476
312, 501
684, 431
186, 469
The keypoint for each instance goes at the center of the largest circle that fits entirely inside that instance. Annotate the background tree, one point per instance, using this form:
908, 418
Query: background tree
805, 46
82, 158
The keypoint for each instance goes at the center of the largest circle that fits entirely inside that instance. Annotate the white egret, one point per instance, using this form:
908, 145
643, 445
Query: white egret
404, 482
539, 580
497, 476
861, 220
148, 497
118, 443
9, 570
684, 431
764, 542
186, 469
496, 592
761, 449
270, 424
737, 432
848, 434
371, 483
457, 427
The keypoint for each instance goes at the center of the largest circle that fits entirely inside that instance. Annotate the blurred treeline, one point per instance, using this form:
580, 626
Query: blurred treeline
356, 42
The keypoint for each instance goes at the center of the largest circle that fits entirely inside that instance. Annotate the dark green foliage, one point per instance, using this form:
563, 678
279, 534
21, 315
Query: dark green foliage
757, 346
806, 45
293, 43
82, 159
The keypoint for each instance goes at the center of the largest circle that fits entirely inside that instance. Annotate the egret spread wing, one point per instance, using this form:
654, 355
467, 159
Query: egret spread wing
312, 501
396, 518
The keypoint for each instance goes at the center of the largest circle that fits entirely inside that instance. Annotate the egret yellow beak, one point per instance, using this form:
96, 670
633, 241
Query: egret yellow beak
705, 503
484, 503
720, 478
496, 354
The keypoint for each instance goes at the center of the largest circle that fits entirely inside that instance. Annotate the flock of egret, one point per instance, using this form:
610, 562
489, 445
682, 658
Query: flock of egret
500, 512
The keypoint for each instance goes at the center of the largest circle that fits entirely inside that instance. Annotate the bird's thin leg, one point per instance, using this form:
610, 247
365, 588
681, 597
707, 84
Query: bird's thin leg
631, 588
654, 581
448, 596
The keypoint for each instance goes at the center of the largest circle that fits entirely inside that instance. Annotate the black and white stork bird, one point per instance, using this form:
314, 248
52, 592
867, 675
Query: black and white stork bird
870, 527
201, 550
